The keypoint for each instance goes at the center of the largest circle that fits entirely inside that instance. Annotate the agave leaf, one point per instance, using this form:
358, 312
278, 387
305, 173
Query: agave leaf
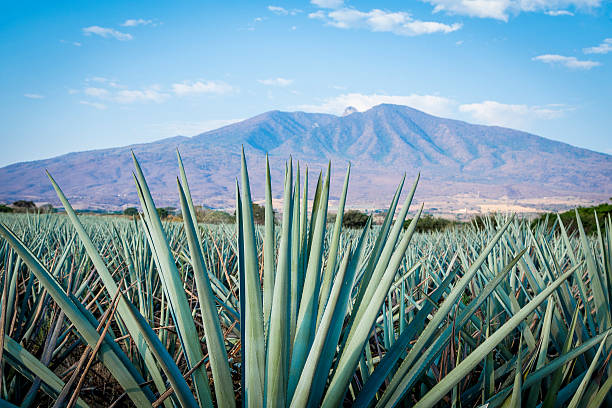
222, 380
389, 360
585, 381
352, 350
601, 394
515, 399
332, 254
173, 288
544, 339
340, 311
269, 250
302, 392
385, 257
21, 358
242, 280
111, 287
254, 342
602, 310
307, 315
127, 376
296, 265
447, 383
277, 357
438, 318
164, 359
438, 344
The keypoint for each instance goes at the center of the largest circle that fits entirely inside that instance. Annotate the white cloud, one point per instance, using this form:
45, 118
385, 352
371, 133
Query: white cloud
97, 79
569, 62
107, 32
113, 83
433, 104
603, 48
556, 13
197, 87
33, 96
502, 9
281, 11
151, 94
121, 95
276, 81
331, 4
517, 116
400, 23
96, 92
278, 10
96, 105
320, 15
136, 22
110, 91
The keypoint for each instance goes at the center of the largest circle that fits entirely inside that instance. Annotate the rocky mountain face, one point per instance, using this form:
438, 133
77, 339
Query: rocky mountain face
455, 158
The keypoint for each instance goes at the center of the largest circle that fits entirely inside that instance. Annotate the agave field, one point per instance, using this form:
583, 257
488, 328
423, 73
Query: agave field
118, 312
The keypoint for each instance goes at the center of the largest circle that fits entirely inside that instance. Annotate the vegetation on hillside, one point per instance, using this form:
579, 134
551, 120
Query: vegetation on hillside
26, 206
429, 223
587, 215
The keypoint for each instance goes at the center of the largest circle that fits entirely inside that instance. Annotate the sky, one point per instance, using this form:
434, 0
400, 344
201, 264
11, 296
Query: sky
81, 75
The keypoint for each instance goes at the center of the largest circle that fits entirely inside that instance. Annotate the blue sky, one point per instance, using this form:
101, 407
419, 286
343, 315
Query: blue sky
89, 74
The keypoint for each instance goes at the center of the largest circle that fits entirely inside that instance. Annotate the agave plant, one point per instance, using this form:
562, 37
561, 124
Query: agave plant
503, 314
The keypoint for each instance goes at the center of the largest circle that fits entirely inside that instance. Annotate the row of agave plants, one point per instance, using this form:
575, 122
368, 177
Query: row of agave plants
99, 312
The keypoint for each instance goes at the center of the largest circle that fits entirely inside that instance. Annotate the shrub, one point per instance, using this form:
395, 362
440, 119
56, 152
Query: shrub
24, 204
5, 209
429, 223
46, 208
163, 213
131, 211
259, 213
354, 219
218, 217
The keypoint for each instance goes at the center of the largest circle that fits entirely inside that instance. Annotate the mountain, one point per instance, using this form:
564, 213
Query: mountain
460, 163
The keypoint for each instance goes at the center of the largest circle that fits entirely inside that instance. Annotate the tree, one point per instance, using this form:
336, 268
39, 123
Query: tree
5, 209
24, 204
218, 217
46, 208
259, 214
130, 211
429, 223
354, 219
331, 217
163, 213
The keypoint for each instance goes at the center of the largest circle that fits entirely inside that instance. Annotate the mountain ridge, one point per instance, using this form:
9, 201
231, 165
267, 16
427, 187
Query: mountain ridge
455, 157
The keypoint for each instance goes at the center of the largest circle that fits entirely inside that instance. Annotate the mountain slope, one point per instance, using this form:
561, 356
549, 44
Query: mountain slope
455, 158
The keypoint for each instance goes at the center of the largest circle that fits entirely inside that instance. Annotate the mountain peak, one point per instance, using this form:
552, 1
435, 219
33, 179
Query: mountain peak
349, 110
